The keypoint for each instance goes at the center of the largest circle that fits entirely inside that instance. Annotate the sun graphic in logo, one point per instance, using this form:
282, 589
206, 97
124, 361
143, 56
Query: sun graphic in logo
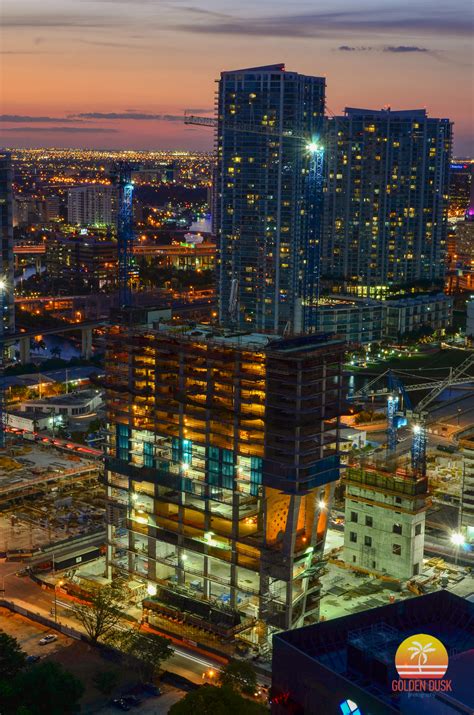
421, 656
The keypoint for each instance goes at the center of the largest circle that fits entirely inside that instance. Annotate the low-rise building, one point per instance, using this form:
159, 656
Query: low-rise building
73, 405
357, 320
27, 420
408, 315
362, 321
182, 256
385, 520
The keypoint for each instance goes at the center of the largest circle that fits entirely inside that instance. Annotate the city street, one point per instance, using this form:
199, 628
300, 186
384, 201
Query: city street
28, 594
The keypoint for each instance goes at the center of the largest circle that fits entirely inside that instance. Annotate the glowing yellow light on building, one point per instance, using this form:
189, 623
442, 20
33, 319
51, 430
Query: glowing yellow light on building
151, 589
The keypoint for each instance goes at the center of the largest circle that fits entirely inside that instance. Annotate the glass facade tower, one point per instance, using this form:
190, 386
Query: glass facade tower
264, 208
386, 200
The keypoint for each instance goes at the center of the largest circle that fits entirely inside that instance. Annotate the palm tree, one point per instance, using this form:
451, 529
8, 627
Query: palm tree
421, 651
56, 351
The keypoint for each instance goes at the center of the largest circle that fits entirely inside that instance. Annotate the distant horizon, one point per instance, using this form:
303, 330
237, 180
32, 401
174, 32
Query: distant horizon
454, 158
112, 72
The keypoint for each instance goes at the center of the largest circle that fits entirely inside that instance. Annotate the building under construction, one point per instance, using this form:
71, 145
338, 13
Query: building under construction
466, 517
222, 457
385, 511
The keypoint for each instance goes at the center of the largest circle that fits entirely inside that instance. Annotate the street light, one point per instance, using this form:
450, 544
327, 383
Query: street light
457, 539
56, 586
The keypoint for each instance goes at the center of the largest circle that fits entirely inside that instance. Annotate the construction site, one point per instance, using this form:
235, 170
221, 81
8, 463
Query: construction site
407, 519
47, 495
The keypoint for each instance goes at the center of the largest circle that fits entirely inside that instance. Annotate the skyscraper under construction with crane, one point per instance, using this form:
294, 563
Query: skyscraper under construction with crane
222, 456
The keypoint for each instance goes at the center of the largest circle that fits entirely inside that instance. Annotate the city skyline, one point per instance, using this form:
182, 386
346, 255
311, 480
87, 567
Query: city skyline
110, 74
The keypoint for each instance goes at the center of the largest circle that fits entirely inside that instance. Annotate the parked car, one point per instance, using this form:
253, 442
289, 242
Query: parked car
120, 704
152, 689
131, 700
50, 638
32, 659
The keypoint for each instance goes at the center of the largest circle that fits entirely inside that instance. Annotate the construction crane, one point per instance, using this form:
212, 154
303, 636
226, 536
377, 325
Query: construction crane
397, 401
396, 392
3, 414
419, 415
314, 185
122, 178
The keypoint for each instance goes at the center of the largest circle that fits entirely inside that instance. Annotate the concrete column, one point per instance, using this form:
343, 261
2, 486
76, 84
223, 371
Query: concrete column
86, 334
38, 264
25, 350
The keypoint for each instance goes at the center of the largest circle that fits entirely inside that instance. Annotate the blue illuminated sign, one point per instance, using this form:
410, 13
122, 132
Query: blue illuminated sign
349, 707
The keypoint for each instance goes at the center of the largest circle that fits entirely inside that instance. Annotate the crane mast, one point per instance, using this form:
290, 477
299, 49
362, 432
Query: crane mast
395, 390
126, 261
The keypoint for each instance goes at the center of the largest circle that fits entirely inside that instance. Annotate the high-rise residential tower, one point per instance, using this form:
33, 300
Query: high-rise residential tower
386, 200
264, 205
7, 302
92, 205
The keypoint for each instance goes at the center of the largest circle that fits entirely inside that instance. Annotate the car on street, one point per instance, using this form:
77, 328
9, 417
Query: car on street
131, 700
50, 638
152, 689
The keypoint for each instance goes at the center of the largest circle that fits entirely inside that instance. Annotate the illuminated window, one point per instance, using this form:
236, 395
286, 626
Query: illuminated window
349, 707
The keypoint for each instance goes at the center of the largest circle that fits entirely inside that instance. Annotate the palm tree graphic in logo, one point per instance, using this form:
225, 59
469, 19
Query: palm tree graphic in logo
421, 656
422, 652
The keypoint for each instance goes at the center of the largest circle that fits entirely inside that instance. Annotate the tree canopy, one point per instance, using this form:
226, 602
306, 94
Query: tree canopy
12, 658
147, 651
47, 689
42, 689
210, 700
239, 675
101, 614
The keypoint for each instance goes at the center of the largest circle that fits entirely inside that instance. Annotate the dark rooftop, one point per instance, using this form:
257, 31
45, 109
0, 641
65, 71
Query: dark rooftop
361, 647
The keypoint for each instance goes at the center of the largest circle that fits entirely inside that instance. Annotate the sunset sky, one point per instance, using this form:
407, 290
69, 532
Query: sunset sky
120, 73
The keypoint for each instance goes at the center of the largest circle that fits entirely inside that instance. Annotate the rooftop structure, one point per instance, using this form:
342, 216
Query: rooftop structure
328, 667
71, 405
